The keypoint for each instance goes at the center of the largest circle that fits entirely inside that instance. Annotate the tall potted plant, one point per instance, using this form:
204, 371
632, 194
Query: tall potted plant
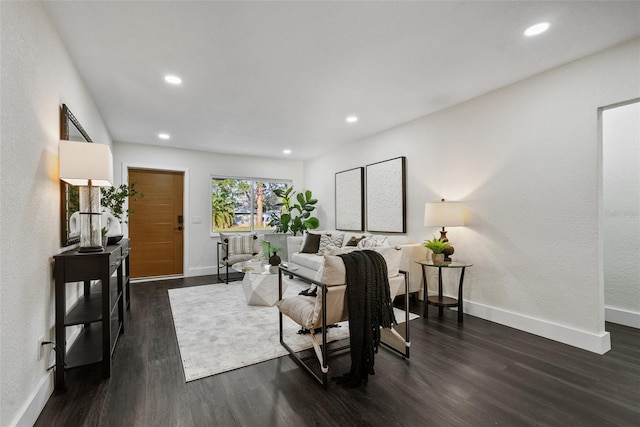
295, 217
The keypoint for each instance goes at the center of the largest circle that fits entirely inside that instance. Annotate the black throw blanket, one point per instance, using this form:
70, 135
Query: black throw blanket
370, 307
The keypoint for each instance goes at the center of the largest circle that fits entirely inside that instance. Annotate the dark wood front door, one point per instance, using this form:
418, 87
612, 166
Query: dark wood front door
156, 227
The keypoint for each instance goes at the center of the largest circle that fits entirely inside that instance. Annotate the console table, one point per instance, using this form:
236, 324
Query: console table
440, 300
100, 309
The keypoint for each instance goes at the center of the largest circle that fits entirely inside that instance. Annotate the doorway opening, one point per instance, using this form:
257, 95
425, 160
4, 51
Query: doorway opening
620, 224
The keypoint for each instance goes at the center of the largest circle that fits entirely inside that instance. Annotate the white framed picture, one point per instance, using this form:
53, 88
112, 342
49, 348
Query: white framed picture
350, 200
386, 196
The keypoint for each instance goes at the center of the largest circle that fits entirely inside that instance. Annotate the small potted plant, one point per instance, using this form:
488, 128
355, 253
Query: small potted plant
436, 246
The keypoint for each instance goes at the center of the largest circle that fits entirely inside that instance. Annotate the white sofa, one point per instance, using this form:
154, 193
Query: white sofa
311, 263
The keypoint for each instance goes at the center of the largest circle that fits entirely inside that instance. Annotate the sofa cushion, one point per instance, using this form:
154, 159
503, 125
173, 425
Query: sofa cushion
311, 261
299, 308
233, 259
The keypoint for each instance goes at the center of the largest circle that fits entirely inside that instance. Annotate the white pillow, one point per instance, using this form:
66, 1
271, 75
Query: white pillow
329, 240
334, 271
372, 242
334, 250
392, 257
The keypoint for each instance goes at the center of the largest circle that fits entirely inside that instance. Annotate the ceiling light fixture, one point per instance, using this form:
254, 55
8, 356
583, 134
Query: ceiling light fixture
174, 80
286, 151
164, 136
352, 119
534, 30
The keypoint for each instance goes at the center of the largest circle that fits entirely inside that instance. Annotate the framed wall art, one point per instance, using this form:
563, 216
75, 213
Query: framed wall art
350, 199
386, 196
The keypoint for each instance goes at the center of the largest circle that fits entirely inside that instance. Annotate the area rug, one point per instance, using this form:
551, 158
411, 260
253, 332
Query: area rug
217, 331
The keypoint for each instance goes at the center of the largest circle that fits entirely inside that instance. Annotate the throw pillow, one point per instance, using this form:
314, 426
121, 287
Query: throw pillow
392, 257
311, 244
237, 244
334, 250
329, 240
334, 271
225, 238
372, 242
353, 241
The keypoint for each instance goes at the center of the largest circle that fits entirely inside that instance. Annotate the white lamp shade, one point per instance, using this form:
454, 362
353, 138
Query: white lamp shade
84, 161
443, 214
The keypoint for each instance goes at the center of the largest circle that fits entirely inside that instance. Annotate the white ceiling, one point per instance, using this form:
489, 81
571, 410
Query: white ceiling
259, 77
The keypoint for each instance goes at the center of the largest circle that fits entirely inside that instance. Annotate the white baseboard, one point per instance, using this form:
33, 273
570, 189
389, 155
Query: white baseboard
597, 343
622, 317
205, 271
31, 409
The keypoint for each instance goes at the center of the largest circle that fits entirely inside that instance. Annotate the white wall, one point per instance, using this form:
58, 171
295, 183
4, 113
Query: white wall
525, 160
37, 77
621, 221
200, 247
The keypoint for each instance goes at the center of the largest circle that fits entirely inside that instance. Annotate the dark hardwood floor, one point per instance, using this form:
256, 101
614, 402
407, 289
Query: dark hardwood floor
478, 374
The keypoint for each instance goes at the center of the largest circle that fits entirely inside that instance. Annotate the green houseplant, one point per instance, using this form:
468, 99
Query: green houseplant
436, 246
295, 217
113, 198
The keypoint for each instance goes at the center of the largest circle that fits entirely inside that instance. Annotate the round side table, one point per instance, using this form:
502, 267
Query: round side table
440, 300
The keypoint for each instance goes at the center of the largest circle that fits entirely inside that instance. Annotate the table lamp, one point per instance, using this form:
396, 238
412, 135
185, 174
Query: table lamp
444, 214
89, 166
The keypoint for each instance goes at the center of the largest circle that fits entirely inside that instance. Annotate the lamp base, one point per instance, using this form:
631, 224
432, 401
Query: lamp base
448, 251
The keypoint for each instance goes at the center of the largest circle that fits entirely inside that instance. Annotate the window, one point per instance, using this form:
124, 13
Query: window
239, 204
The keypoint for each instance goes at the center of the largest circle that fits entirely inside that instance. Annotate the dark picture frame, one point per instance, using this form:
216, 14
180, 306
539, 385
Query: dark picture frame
386, 196
70, 130
350, 199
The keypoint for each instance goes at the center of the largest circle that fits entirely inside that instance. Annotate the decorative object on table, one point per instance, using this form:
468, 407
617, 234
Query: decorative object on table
386, 196
114, 213
295, 217
113, 199
270, 253
444, 214
89, 166
105, 239
350, 199
274, 259
437, 246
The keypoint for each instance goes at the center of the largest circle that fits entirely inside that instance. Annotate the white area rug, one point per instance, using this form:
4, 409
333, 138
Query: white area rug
217, 331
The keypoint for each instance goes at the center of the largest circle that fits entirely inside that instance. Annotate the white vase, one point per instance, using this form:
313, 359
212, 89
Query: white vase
437, 257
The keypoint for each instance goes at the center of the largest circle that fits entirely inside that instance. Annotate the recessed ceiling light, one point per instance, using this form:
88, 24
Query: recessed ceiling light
352, 119
174, 80
534, 30
164, 136
286, 151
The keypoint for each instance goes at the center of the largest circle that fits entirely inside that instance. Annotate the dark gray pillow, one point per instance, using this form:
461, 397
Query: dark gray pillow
311, 244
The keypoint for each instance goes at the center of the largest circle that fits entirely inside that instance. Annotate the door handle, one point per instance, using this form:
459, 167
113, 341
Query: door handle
178, 228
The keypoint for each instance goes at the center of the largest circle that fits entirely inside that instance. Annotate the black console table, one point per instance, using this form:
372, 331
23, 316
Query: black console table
100, 309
